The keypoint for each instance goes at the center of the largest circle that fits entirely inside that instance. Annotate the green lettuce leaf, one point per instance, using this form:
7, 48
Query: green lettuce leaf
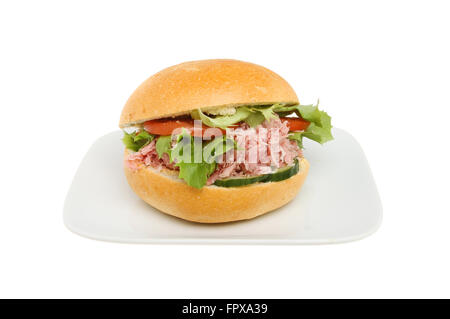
184, 142
298, 137
319, 129
187, 154
252, 115
163, 145
221, 121
195, 158
135, 141
259, 114
267, 111
255, 119
218, 147
196, 174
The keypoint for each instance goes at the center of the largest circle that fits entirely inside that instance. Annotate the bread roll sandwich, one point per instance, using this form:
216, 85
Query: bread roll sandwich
216, 141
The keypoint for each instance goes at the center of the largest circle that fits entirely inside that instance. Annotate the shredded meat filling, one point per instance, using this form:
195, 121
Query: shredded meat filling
261, 150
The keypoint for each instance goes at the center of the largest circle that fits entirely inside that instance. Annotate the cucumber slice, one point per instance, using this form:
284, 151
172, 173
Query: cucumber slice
240, 181
279, 175
284, 173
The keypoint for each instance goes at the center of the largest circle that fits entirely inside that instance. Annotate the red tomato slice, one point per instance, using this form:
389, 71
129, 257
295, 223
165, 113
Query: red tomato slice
169, 126
295, 123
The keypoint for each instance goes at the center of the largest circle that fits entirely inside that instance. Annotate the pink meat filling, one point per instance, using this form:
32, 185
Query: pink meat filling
149, 157
261, 150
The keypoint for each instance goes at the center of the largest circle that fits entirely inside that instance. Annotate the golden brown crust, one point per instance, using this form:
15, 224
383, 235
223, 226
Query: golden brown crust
205, 84
212, 204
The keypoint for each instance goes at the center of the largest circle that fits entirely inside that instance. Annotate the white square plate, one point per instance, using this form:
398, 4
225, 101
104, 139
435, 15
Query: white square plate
339, 202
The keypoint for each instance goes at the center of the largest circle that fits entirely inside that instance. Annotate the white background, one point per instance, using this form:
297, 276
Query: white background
380, 68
